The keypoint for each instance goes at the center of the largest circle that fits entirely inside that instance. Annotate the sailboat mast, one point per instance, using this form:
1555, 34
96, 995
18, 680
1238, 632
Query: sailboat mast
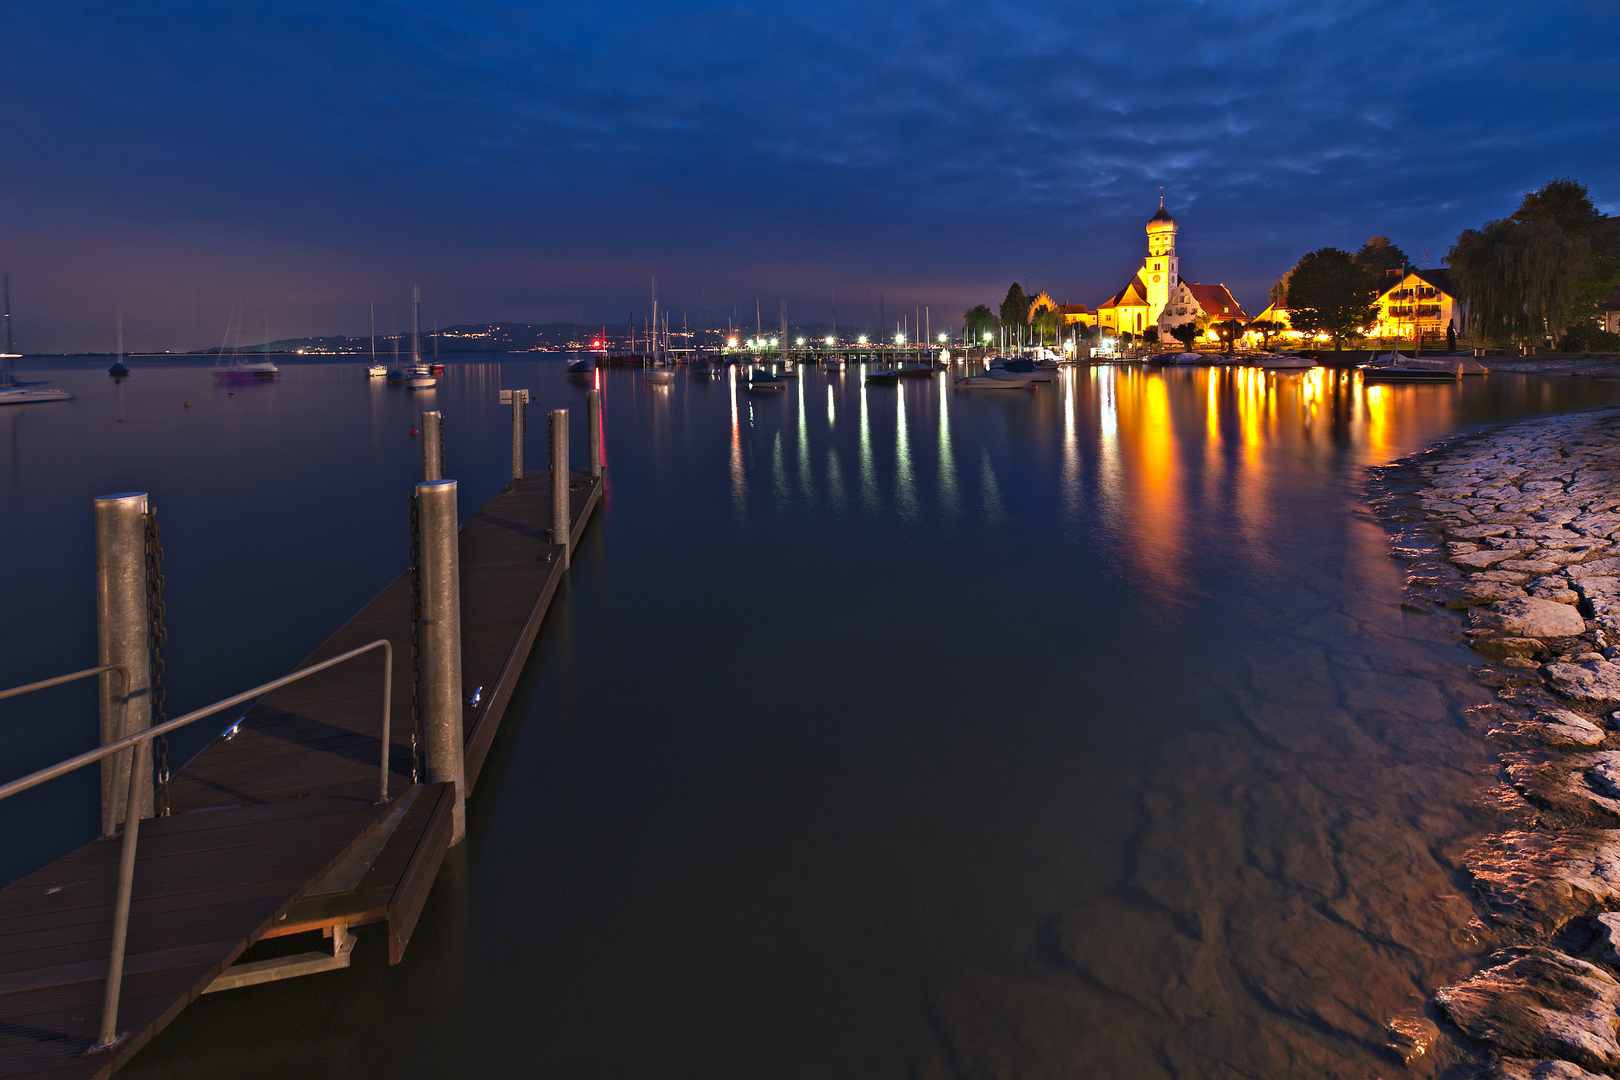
416, 324
9, 348
372, 308
120, 337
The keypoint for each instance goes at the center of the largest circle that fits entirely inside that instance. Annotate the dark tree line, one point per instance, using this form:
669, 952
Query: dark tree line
1542, 272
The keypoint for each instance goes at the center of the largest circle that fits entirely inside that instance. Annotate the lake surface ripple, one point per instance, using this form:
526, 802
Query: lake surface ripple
880, 731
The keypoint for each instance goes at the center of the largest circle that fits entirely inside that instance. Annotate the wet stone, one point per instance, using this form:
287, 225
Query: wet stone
1550, 1069
1533, 617
1596, 682
1540, 1003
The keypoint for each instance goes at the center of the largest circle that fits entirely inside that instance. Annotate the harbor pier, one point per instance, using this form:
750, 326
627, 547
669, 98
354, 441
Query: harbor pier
322, 806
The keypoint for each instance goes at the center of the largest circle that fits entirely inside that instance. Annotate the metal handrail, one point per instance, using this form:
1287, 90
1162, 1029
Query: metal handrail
138, 778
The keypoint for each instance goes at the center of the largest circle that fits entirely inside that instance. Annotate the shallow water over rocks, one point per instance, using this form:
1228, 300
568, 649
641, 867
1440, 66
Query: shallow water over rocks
881, 730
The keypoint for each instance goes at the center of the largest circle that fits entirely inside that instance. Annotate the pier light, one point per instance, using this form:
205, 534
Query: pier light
942, 339
899, 339
863, 339
731, 344
801, 341
829, 341
775, 342
987, 336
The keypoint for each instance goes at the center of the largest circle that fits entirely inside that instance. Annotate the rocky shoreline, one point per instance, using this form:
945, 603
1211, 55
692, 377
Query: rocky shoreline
1518, 529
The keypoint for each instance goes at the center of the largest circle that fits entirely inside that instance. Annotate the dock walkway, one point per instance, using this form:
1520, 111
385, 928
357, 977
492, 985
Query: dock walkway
275, 828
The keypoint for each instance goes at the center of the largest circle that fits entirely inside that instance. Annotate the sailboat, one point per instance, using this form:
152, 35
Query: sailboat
376, 370
119, 369
418, 376
240, 370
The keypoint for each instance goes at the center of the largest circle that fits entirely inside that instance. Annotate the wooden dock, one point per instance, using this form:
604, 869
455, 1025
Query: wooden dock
275, 826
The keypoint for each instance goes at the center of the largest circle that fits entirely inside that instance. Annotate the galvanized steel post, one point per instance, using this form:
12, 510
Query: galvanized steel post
520, 398
432, 446
561, 532
121, 638
593, 430
441, 643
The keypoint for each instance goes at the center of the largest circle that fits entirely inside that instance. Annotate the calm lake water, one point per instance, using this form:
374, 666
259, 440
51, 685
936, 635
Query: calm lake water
879, 731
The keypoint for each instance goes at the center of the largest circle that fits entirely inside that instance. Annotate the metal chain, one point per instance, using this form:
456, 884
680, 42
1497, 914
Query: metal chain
157, 636
416, 641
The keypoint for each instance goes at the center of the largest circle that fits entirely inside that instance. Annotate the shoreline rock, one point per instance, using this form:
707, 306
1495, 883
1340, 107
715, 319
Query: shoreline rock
1516, 528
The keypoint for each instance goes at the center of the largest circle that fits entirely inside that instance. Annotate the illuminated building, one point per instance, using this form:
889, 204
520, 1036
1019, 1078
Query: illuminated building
1412, 302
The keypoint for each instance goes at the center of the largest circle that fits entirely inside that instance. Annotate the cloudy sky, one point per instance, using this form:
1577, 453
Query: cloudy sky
535, 161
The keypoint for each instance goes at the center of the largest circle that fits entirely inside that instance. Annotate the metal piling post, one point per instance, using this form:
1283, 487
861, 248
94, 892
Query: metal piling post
441, 644
121, 638
593, 430
519, 400
432, 446
561, 532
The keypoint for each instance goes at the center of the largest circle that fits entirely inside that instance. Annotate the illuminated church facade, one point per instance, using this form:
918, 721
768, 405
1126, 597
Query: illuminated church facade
1157, 297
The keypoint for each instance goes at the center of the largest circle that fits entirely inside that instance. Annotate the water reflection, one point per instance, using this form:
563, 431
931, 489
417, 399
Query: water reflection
1103, 750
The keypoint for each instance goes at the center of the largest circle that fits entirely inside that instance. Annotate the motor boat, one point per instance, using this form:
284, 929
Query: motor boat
1393, 367
1287, 363
377, 371
1021, 369
421, 381
883, 375
832, 361
1187, 359
996, 381
765, 381
31, 395
658, 376
920, 367
583, 366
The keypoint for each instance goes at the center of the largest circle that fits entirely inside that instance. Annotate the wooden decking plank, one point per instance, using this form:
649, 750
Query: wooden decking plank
264, 813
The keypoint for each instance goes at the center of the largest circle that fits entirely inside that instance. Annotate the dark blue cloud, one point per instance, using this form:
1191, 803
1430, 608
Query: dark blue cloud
526, 160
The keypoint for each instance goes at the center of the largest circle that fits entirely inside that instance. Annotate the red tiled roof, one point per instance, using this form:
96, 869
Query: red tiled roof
1216, 300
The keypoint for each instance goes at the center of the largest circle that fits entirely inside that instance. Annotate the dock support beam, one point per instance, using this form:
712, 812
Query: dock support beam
121, 638
593, 430
519, 400
432, 446
441, 644
561, 532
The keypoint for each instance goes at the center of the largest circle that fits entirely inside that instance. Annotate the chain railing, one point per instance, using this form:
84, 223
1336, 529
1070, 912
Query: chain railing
139, 777
157, 636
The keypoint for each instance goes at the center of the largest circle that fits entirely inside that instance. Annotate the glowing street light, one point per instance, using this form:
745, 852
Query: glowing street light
942, 339
801, 341
829, 341
899, 339
863, 339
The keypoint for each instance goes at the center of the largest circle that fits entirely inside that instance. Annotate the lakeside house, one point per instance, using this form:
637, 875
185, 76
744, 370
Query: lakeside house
1413, 302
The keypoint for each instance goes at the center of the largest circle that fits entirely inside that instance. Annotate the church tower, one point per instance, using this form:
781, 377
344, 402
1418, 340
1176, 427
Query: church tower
1162, 270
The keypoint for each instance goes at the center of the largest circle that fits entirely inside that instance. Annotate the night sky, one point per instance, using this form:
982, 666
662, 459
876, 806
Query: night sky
532, 162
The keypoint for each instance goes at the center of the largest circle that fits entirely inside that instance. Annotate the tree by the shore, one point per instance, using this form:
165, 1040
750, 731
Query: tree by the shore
978, 321
1541, 272
1186, 333
1015, 309
1330, 293
1379, 254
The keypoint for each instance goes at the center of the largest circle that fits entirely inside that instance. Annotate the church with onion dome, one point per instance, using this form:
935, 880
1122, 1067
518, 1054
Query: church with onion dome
1157, 297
